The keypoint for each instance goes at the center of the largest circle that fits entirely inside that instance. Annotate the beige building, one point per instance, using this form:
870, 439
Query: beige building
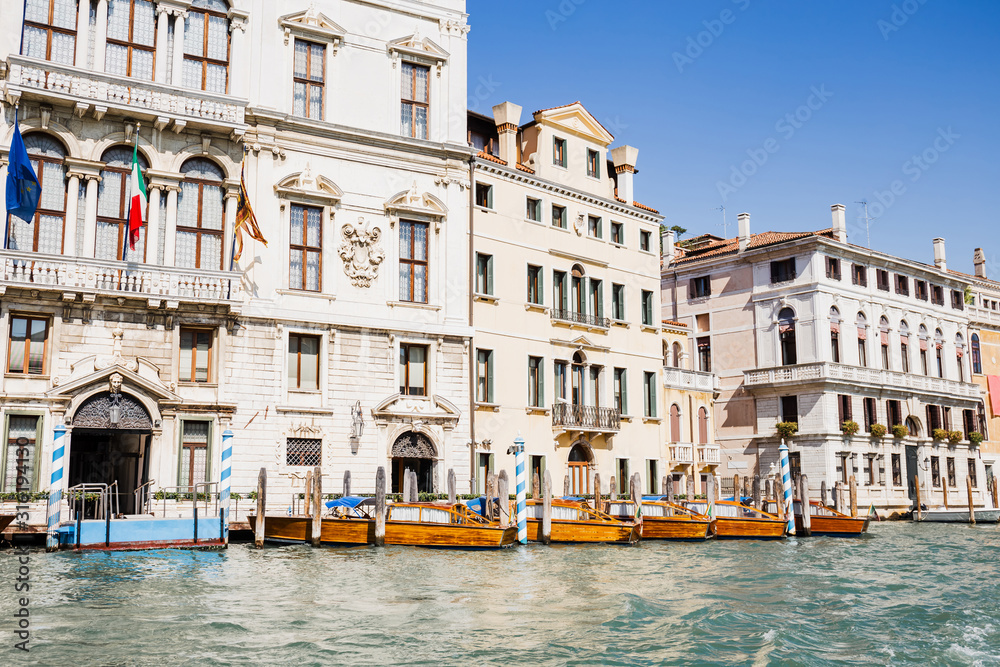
566, 302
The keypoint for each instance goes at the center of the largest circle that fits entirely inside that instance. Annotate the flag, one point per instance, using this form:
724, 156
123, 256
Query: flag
244, 218
22, 184
137, 205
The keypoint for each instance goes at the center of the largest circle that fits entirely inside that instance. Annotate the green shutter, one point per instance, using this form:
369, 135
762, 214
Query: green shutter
489, 376
489, 274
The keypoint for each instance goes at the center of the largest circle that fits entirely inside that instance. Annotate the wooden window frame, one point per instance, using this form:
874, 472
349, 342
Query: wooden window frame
305, 248
205, 61
535, 284
412, 101
27, 343
299, 337
49, 29
33, 443
593, 163
536, 386
413, 262
882, 280
132, 45
644, 240
859, 275
484, 376
404, 349
37, 161
595, 226
617, 232
559, 146
124, 204
201, 230
187, 458
536, 204
560, 221
307, 81
194, 354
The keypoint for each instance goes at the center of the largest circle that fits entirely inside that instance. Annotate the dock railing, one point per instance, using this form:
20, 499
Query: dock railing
204, 493
104, 499
143, 497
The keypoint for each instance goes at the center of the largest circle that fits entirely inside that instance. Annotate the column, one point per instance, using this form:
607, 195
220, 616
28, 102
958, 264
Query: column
72, 205
82, 34
90, 216
238, 58
177, 76
56, 485
100, 35
160, 65
232, 200
171, 226
153, 225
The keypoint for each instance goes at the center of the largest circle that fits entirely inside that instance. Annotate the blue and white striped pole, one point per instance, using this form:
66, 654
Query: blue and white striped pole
520, 480
55, 488
225, 481
786, 485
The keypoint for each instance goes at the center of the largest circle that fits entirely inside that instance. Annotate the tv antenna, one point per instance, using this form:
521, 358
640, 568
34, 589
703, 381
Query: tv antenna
725, 227
868, 220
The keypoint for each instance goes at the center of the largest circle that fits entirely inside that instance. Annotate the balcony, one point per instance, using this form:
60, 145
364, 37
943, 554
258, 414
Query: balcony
583, 319
586, 418
100, 92
681, 378
709, 454
94, 277
857, 375
681, 454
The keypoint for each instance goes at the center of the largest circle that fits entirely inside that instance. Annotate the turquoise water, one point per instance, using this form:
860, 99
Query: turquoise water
905, 594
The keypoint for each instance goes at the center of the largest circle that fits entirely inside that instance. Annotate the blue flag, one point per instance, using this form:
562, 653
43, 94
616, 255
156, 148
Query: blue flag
22, 184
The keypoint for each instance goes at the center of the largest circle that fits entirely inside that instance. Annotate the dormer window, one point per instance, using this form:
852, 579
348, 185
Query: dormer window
415, 99
592, 162
559, 152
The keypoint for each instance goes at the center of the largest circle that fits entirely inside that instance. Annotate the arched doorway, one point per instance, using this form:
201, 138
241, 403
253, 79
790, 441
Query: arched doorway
110, 443
413, 451
578, 468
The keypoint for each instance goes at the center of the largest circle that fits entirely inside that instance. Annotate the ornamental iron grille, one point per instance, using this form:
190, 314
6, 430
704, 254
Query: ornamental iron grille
304, 452
412, 445
96, 413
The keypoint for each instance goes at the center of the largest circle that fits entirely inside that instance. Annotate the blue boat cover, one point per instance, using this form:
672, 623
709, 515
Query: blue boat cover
349, 501
573, 498
659, 498
477, 505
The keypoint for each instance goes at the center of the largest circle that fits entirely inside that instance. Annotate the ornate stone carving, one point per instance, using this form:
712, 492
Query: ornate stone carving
115, 383
96, 413
412, 445
116, 358
361, 252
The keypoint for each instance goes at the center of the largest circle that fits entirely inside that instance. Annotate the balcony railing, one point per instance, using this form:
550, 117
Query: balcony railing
585, 417
708, 454
126, 94
580, 318
95, 276
681, 378
826, 371
681, 454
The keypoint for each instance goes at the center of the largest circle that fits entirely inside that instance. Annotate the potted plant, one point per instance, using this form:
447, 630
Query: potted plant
900, 431
939, 434
877, 431
787, 429
954, 437
976, 438
849, 427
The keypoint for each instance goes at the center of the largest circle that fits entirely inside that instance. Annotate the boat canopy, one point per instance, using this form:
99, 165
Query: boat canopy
351, 502
477, 505
574, 499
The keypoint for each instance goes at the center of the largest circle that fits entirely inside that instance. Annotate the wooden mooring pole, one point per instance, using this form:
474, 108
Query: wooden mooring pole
406, 485
545, 530
414, 488
854, 496
779, 501
503, 496
598, 503
317, 505
972, 509
822, 492
380, 507
536, 486
347, 483
307, 496
669, 490
452, 487
804, 505
916, 487
736, 487
635, 493
258, 535
755, 491
612, 489
566, 485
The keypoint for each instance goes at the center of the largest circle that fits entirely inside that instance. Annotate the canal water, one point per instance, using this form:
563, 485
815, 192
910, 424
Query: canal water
904, 594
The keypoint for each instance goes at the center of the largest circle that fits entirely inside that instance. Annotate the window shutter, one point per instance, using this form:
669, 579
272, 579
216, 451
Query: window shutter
489, 274
541, 383
840, 410
489, 376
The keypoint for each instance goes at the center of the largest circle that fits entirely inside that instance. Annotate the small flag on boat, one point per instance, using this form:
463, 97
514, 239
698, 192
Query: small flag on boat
23, 190
244, 218
137, 203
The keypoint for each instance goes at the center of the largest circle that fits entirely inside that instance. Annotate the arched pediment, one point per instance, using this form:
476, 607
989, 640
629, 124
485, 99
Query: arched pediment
95, 412
306, 185
414, 204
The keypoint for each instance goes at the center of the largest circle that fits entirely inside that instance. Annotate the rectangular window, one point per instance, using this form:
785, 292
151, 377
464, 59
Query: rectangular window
560, 372
644, 238
305, 260
559, 152
617, 302
559, 216
952, 477
649, 394
22, 453
647, 308
882, 280
859, 275
701, 287
560, 291
869, 470
307, 86
937, 295
593, 160
26, 349
844, 408
920, 289
705, 354
413, 265
957, 299
894, 413
783, 271
871, 416
885, 355
303, 362
833, 268
933, 419
897, 470
972, 472
194, 453
303, 451
50, 30
206, 47
862, 352
968, 422
412, 369
484, 274
195, 355
484, 195
597, 300
484, 376
795, 464
620, 391
534, 284
935, 471
536, 389
835, 347
790, 409
904, 355
415, 100
595, 227
533, 209
617, 233
902, 285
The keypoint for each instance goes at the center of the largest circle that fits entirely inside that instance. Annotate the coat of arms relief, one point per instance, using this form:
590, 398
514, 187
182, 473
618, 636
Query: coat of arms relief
361, 252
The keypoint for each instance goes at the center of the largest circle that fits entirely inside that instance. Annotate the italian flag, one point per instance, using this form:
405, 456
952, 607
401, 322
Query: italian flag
137, 206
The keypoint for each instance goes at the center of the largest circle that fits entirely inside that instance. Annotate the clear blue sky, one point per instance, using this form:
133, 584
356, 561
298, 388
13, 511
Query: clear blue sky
895, 80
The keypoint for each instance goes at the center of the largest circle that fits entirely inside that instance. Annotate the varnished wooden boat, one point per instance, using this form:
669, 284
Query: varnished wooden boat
662, 520
575, 521
444, 526
734, 520
348, 523
956, 515
6, 520
824, 520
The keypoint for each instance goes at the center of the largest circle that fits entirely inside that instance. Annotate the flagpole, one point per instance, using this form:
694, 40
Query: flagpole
6, 227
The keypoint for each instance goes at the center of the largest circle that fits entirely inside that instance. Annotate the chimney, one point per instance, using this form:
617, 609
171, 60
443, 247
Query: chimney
979, 262
939, 260
744, 225
667, 237
624, 159
507, 116
839, 223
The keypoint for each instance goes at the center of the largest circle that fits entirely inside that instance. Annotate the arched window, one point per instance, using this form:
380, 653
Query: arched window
959, 356
579, 361
862, 324
206, 46
786, 332
131, 38
834, 335
113, 196
50, 30
977, 359
883, 339
675, 423
922, 334
913, 426
904, 346
45, 232
200, 216
678, 351
939, 352
578, 289
702, 426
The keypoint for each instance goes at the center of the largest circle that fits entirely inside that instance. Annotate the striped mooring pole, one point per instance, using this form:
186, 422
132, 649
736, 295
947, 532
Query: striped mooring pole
225, 481
520, 481
55, 488
786, 485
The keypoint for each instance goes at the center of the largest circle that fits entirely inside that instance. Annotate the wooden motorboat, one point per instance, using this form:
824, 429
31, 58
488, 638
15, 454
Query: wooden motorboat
576, 521
444, 525
824, 520
957, 515
349, 523
663, 520
734, 520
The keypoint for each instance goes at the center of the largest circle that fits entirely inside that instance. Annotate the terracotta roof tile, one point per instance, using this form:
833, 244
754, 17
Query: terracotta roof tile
524, 168
638, 205
731, 246
673, 323
492, 158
